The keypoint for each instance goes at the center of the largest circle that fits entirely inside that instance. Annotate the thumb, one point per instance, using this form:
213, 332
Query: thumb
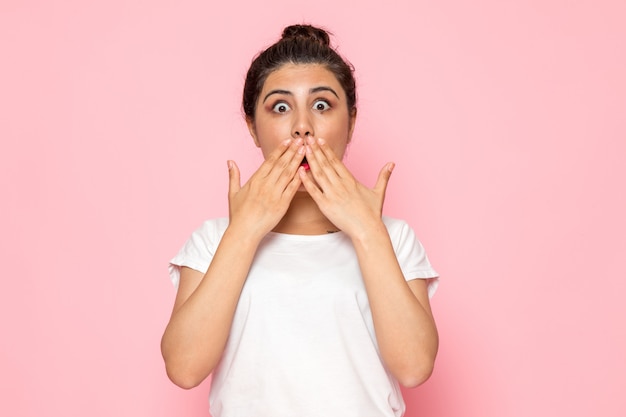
234, 182
383, 178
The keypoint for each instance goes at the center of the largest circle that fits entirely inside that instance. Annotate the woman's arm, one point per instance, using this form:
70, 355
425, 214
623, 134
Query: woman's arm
205, 304
403, 321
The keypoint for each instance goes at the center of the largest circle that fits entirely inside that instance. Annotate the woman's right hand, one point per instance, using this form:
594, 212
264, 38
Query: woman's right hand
256, 207
196, 335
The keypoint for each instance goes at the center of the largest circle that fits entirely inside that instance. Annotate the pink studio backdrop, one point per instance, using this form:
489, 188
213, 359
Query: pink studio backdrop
507, 124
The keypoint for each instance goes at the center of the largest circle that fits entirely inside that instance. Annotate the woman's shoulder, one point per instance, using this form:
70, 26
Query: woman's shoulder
212, 228
395, 225
400, 232
217, 223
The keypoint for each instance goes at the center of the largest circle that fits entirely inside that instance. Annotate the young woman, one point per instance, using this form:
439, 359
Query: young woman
305, 301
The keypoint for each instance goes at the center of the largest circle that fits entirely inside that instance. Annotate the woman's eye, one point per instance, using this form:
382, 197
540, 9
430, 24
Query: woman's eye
321, 105
281, 107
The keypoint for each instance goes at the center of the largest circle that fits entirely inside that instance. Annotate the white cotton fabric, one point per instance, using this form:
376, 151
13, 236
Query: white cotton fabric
302, 342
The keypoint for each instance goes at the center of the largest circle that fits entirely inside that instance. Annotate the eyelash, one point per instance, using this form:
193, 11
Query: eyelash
328, 106
280, 103
315, 104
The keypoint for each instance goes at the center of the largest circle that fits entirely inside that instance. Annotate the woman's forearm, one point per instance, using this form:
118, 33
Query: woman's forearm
405, 329
198, 329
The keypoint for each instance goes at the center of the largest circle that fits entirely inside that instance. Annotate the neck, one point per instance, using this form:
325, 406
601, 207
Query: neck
303, 217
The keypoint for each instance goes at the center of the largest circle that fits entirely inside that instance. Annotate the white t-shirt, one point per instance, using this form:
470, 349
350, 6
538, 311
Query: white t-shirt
302, 342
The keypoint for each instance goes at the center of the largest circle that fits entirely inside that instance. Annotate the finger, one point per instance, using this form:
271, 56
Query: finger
315, 193
274, 157
286, 164
286, 168
383, 178
234, 178
319, 165
332, 159
292, 187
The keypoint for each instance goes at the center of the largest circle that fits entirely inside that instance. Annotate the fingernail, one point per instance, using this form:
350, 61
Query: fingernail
321, 141
299, 141
301, 150
391, 167
287, 141
310, 139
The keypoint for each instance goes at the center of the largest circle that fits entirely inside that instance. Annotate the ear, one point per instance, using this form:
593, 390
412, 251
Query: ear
352, 123
252, 130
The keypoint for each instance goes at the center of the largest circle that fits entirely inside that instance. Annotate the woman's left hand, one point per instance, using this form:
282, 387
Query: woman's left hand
405, 329
347, 203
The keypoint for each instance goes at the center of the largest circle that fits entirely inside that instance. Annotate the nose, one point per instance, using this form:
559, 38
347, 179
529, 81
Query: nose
302, 125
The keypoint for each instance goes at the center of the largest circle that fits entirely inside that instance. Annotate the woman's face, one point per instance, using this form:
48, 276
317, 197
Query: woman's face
299, 100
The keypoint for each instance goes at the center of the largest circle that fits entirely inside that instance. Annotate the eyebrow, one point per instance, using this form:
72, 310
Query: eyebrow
322, 88
311, 91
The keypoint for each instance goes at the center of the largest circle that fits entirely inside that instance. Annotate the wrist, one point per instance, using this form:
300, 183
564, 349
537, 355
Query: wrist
243, 235
368, 232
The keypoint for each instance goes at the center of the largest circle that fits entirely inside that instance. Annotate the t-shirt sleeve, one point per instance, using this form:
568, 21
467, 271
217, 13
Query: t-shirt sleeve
411, 254
198, 250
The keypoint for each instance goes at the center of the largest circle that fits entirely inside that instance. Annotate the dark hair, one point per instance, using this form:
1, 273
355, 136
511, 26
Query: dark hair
300, 44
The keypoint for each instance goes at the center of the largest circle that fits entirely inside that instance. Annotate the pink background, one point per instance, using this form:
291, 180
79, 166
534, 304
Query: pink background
506, 121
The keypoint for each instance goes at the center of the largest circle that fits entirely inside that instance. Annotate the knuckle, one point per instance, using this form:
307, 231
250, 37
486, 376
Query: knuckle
271, 159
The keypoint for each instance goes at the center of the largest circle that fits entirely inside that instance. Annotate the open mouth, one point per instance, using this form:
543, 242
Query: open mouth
305, 164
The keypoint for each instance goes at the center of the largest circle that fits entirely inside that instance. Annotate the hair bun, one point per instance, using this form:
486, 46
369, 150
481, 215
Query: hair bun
308, 32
